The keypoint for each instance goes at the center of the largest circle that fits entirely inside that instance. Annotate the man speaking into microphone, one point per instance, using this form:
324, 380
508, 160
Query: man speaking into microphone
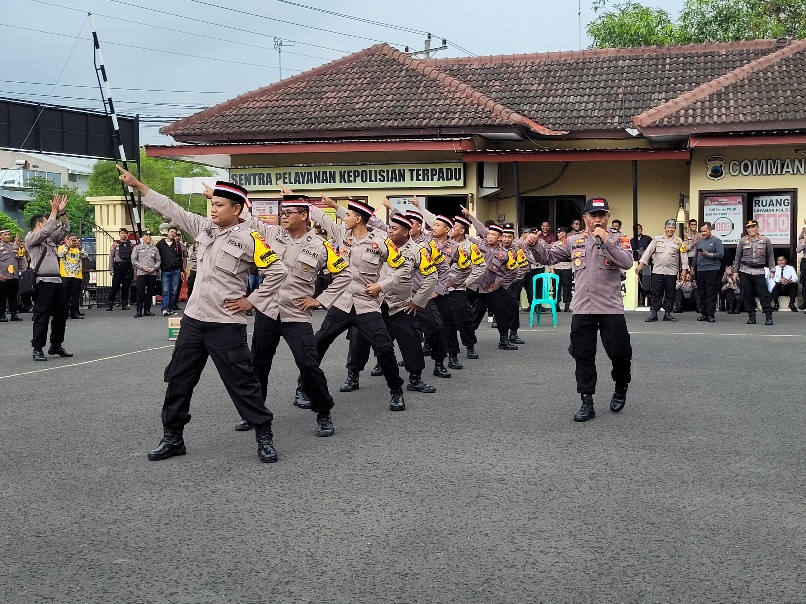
597, 257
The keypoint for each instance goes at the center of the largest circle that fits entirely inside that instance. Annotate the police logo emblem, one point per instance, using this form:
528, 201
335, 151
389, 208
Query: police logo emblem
715, 167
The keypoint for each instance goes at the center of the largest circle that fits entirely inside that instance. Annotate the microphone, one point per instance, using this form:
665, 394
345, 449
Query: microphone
598, 242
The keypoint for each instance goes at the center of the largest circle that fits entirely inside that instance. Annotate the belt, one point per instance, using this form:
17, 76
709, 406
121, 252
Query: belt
748, 265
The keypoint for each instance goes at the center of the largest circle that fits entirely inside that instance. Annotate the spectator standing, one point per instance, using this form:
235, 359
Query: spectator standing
191, 264
639, 245
183, 274
146, 265
708, 255
802, 248
25, 302
12, 263
564, 272
120, 267
783, 281
70, 256
754, 254
49, 302
171, 263
668, 255
690, 238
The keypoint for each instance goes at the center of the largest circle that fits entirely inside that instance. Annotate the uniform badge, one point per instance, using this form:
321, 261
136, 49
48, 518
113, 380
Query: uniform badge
374, 245
579, 241
305, 268
10, 270
577, 253
578, 262
608, 262
463, 261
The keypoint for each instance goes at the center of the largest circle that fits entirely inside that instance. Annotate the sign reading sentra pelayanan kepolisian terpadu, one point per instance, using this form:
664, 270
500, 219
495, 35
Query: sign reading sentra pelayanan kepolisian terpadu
376, 176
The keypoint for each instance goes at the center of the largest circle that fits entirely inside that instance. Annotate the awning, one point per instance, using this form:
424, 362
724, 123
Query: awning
16, 195
511, 156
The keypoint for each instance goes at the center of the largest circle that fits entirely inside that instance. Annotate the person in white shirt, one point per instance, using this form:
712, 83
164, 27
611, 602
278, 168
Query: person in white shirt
783, 281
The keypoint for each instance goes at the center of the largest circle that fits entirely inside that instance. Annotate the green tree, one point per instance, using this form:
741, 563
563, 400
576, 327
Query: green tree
6, 222
159, 175
628, 23
79, 211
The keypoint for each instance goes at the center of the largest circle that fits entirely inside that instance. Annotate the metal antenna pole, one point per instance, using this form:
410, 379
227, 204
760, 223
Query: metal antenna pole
109, 107
278, 45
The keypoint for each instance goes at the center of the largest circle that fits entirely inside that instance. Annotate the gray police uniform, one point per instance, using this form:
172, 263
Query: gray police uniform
12, 264
304, 257
669, 257
597, 303
49, 300
355, 307
145, 282
225, 258
752, 256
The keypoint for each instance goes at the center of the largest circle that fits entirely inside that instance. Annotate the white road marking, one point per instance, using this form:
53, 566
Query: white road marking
115, 356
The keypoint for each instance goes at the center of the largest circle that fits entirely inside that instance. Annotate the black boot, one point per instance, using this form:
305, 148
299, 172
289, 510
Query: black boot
38, 355
453, 362
351, 383
243, 426
768, 321
471, 353
301, 399
567, 307
440, 371
324, 424
416, 383
586, 411
426, 350
396, 402
513, 337
751, 318
14, 317
667, 316
653, 316
3, 318
170, 445
619, 398
265, 444
505, 344
60, 351
110, 306
377, 370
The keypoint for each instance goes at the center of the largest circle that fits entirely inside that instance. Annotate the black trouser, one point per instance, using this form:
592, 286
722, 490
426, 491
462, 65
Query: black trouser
790, 289
145, 287
226, 344
300, 339
456, 314
752, 286
514, 290
566, 280
49, 302
502, 305
663, 287
708, 290
191, 281
72, 294
528, 280
9, 290
616, 342
121, 276
372, 327
429, 320
402, 328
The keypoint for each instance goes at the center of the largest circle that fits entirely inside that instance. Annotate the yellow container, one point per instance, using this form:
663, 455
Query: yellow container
173, 327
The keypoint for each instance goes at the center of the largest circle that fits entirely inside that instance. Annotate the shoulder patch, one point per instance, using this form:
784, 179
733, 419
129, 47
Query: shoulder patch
463, 261
625, 242
264, 256
437, 257
521, 258
476, 257
335, 263
512, 262
426, 266
395, 259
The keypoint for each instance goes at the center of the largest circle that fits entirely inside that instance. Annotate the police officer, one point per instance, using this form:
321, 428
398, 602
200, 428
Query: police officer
213, 324
146, 265
517, 265
12, 263
754, 253
366, 250
120, 266
668, 255
400, 303
288, 315
598, 257
463, 316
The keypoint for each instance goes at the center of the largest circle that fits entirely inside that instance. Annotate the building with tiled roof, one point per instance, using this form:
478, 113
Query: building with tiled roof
720, 128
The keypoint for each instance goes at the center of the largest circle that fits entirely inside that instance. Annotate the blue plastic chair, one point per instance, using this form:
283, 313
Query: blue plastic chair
545, 296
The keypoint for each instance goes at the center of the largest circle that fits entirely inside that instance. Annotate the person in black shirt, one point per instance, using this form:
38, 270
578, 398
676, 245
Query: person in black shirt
120, 266
171, 264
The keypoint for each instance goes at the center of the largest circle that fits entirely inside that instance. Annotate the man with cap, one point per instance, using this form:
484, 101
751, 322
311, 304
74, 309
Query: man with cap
563, 269
490, 289
213, 324
754, 253
517, 265
707, 269
598, 257
668, 255
70, 255
146, 265
463, 315
365, 249
288, 314
120, 267
401, 303
453, 269
12, 264
49, 302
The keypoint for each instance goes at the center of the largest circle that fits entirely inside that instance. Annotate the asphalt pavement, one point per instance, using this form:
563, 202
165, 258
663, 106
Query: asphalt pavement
485, 492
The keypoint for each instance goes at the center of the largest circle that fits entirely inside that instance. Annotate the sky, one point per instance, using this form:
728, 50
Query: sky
167, 59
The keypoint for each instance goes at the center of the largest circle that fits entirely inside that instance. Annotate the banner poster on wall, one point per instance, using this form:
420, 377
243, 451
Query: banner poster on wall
726, 214
774, 216
264, 210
